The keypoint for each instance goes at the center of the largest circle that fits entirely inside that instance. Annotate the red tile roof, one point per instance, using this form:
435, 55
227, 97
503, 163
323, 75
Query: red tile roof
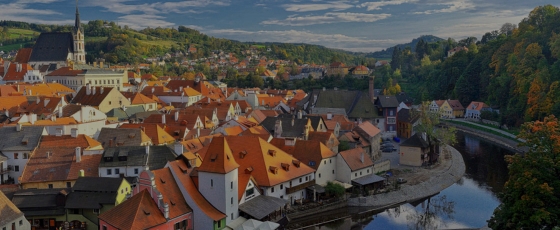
15, 74
92, 99
219, 158
23, 55
137, 98
65, 71
81, 140
353, 158
172, 195
138, 212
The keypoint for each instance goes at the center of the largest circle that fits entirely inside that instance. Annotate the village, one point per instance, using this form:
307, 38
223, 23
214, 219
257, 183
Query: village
94, 146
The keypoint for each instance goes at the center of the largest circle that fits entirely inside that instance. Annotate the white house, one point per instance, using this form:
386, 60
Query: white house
18, 144
353, 164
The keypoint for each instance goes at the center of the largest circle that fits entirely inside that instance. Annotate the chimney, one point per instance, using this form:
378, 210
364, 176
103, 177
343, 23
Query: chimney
88, 89
147, 149
278, 128
371, 93
78, 154
324, 89
306, 133
178, 147
110, 143
46, 102
74, 133
176, 115
166, 211
299, 115
7, 113
153, 89
163, 119
93, 90
82, 173
329, 116
60, 111
101, 90
362, 157
293, 120
19, 127
49, 154
197, 132
18, 67
129, 100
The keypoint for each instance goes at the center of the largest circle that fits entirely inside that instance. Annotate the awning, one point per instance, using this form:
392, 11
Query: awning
260, 206
317, 188
369, 179
346, 186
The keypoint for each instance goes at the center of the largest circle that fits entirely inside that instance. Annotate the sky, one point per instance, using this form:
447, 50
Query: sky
353, 25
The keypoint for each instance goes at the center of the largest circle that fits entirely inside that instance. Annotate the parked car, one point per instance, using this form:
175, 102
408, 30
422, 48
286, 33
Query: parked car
387, 145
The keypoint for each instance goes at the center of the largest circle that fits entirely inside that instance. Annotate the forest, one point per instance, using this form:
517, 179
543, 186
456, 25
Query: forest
515, 69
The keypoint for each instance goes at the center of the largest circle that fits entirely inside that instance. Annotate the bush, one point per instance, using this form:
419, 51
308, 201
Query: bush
334, 189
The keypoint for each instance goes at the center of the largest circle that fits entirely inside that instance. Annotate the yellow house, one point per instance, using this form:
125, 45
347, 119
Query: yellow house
101, 194
452, 109
102, 98
445, 110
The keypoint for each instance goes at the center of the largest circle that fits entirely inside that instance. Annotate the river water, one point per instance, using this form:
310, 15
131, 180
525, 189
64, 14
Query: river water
469, 203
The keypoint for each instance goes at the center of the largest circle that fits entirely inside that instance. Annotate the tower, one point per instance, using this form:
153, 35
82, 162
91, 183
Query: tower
78, 37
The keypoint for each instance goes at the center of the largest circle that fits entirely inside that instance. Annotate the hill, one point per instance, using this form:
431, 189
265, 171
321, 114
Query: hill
387, 53
15, 38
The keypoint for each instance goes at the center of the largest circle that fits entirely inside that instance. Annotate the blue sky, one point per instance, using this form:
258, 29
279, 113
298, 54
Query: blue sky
355, 25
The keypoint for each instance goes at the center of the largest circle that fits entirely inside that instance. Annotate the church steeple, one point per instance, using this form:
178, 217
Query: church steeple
77, 23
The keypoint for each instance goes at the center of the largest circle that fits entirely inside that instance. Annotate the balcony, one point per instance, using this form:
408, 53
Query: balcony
7, 170
300, 187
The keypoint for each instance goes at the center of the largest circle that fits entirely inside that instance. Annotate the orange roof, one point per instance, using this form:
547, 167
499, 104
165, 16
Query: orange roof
455, 105
191, 92
308, 151
219, 159
182, 174
23, 55
475, 105
261, 156
192, 145
58, 121
324, 137
154, 131
233, 131
361, 68
440, 102
58, 164
81, 140
172, 195
137, 98
138, 212
6, 90
15, 74
353, 158
270, 101
46, 89
369, 128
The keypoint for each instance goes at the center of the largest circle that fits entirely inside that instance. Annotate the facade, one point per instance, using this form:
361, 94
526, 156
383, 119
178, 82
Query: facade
12, 217
414, 151
19, 145
452, 109
387, 108
475, 109
337, 69
353, 164
129, 161
102, 98
78, 78
406, 122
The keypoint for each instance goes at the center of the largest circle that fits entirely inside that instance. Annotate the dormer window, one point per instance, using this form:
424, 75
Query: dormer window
286, 166
273, 169
296, 163
272, 152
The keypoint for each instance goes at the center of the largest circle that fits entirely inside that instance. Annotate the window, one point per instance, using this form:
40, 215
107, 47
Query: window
249, 192
109, 172
319, 175
281, 186
231, 200
136, 171
20, 222
333, 171
117, 171
272, 190
74, 211
16, 155
232, 216
368, 171
330, 161
118, 81
219, 224
231, 184
50, 185
360, 173
390, 112
96, 211
355, 174
211, 183
104, 227
68, 185
300, 180
16, 168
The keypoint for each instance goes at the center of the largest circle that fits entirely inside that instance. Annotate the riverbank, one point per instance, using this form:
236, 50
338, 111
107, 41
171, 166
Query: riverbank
506, 143
449, 171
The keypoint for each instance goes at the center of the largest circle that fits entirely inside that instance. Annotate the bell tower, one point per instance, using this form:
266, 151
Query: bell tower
78, 37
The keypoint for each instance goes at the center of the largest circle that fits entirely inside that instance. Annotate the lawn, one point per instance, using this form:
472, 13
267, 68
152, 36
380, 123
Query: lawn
95, 39
487, 130
13, 47
17, 33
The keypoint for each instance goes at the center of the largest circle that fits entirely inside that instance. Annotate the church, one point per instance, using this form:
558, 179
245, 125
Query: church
60, 48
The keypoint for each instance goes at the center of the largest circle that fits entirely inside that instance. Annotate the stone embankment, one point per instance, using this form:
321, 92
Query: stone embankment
495, 139
450, 171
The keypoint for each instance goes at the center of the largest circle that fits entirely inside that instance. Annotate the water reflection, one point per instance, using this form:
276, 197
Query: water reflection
466, 204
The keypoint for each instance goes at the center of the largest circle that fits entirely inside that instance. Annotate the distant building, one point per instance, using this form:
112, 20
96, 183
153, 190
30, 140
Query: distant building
456, 49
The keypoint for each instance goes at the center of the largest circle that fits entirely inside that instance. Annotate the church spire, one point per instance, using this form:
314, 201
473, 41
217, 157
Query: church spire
78, 23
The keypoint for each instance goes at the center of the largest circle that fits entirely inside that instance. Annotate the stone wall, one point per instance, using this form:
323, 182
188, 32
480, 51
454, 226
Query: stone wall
381, 166
436, 183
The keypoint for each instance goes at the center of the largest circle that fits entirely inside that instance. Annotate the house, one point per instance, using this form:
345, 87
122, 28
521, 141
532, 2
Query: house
82, 119
435, 106
58, 166
78, 78
387, 107
407, 120
138, 99
19, 144
92, 196
156, 132
381, 63
337, 68
12, 217
327, 138
102, 98
260, 115
453, 51
129, 161
21, 72
288, 128
373, 136
113, 137
352, 164
414, 151
89, 145
124, 114
44, 208
359, 71
475, 109
457, 110
141, 211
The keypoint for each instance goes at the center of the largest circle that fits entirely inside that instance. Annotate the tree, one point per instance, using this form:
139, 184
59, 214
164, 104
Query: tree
531, 196
334, 189
429, 122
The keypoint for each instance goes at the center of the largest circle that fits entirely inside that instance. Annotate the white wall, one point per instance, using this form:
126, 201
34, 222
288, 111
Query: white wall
25, 225
20, 162
280, 189
256, 193
343, 171
216, 188
325, 169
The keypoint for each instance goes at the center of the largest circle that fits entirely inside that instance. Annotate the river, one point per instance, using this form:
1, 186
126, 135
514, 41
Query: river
469, 203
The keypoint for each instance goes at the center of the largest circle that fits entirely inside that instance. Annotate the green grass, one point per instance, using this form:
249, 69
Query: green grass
165, 43
13, 47
487, 130
95, 39
17, 33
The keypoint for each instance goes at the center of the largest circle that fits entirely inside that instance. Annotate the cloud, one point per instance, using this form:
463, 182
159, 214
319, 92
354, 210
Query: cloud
337, 6
181, 7
453, 6
141, 21
23, 12
377, 5
37, 1
326, 19
338, 41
